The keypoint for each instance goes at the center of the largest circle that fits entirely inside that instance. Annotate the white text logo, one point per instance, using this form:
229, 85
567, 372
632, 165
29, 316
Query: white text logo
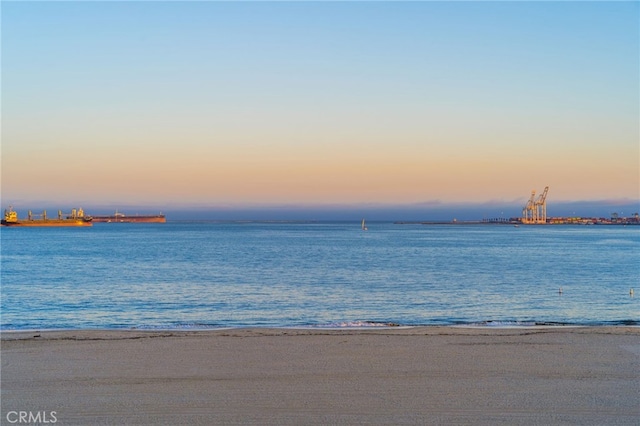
27, 417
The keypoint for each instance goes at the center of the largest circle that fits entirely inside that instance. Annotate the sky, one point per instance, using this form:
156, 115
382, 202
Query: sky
237, 105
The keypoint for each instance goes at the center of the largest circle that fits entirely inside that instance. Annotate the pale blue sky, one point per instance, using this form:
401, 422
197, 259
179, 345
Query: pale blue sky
246, 103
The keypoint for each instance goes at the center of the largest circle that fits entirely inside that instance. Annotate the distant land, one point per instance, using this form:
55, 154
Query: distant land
444, 212
430, 211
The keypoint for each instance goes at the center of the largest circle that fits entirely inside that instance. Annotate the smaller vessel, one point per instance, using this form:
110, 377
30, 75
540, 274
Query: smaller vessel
75, 218
364, 226
119, 217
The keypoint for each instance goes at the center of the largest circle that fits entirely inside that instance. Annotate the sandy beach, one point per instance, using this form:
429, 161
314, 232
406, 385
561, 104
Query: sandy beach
418, 375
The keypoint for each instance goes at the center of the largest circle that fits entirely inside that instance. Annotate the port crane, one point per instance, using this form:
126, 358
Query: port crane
535, 211
528, 210
541, 206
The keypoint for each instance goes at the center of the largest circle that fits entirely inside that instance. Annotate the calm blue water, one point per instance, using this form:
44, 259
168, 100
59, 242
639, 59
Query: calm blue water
209, 275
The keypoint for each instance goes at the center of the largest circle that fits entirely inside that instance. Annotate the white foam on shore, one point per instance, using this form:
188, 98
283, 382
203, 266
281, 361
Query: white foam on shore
355, 324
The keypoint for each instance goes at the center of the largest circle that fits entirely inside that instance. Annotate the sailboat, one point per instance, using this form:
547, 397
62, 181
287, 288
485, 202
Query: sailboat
364, 226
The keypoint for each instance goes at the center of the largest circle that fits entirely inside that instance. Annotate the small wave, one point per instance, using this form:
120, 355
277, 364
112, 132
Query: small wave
355, 324
626, 322
514, 324
184, 326
615, 241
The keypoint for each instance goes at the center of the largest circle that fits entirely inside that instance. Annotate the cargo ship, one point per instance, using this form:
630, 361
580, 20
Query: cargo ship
76, 218
118, 217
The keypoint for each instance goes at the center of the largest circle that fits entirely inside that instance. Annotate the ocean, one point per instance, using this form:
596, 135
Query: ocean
207, 275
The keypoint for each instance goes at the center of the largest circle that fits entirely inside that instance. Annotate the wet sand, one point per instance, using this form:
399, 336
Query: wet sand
421, 375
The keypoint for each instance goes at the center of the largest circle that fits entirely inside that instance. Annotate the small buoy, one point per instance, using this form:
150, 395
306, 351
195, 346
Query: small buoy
560, 290
631, 292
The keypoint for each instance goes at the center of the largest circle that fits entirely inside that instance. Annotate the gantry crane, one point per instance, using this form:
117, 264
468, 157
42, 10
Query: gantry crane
535, 211
541, 206
528, 211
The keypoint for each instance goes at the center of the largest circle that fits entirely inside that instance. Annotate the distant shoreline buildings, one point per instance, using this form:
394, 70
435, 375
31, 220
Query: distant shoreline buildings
615, 219
535, 213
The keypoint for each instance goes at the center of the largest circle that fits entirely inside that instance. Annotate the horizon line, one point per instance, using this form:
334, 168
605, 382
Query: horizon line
328, 205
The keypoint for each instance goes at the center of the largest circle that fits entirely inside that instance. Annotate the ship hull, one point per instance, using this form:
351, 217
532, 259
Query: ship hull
48, 223
130, 219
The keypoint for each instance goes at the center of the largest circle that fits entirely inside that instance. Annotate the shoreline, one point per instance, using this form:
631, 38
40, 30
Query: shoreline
8, 337
6, 334
366, 375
